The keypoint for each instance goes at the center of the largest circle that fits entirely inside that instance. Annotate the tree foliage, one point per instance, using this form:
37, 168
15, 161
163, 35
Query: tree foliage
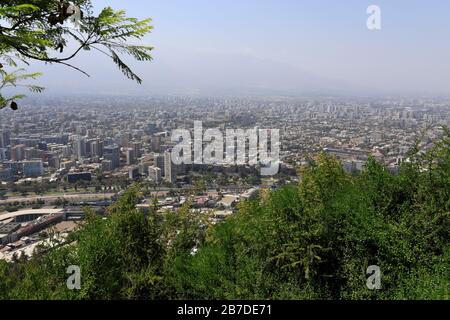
45, 30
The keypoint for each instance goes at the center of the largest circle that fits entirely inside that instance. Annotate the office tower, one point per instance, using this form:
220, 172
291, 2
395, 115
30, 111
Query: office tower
169, 172
33, 168
66, 151
4, 154
112, 153
93, 148
154, 174
96, 148
5, 139
158, 161
131, 156
88, 148
18, 152
101, 146
80, 148
137, 147
156, 143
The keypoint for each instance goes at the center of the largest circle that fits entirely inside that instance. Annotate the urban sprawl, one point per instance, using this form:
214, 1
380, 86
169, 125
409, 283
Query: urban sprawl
59, 155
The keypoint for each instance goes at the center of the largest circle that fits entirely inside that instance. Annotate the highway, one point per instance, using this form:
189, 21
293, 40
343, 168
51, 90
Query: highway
52, 198
161, 191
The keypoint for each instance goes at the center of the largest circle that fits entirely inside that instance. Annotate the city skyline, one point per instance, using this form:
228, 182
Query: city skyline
224, 151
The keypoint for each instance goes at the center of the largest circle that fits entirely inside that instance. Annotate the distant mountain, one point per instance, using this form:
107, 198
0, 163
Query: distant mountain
202, 74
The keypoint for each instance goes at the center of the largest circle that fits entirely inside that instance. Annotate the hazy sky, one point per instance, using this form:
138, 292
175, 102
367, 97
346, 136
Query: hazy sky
277, 46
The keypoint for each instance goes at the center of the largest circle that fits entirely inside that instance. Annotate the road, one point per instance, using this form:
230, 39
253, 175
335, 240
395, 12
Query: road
51, 198
161, 191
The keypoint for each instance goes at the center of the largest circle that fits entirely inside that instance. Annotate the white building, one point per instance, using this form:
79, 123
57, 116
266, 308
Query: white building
155, 174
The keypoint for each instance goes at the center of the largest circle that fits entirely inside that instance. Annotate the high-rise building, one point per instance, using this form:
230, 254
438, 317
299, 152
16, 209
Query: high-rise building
169, 172
137, 147
154, 174
80, 148
112, 153
66, 151
5, 139
156, 143
96, 148
4, 154
33, 168
131, 156
158, 161
88, 147
18, 152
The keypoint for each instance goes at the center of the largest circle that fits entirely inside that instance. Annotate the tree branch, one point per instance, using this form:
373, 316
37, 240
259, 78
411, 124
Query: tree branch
73, 67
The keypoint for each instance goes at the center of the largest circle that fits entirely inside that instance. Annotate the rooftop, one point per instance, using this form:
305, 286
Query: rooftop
41, 212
